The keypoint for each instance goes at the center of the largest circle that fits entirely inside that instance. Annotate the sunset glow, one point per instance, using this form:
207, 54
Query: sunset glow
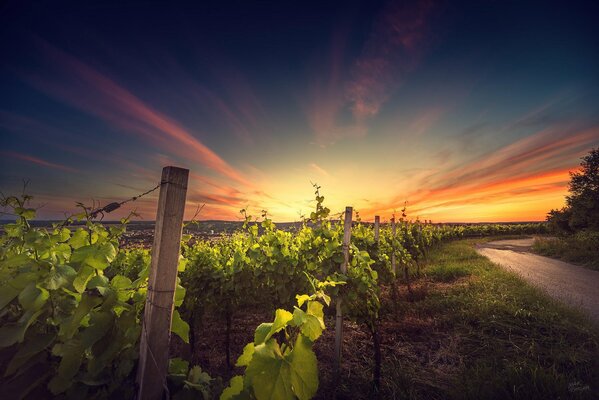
468, 114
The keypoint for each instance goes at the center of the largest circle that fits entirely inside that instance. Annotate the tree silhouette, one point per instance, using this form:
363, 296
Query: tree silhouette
582, 204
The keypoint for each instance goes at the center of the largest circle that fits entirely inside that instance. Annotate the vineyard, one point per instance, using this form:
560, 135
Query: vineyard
74, 305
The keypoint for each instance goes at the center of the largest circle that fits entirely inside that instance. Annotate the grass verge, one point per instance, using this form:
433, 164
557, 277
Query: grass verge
582, 249
488, 335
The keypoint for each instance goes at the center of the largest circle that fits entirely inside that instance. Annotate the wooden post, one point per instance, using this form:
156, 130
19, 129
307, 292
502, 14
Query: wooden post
393, 232
377, 221
339, 316
156, 327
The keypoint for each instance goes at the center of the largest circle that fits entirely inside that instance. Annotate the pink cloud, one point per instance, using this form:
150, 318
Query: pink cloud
87, 89
397, 42
37, 161
395, 48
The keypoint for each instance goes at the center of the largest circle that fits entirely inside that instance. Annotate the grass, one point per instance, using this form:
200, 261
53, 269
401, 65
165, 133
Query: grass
582, 249
489, 335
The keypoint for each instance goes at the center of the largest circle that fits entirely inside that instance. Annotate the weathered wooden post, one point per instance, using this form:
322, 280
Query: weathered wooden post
393, 232
162, 281
339, 316
377, 221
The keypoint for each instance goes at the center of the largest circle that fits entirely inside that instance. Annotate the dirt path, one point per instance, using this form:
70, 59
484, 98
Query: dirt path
574, 285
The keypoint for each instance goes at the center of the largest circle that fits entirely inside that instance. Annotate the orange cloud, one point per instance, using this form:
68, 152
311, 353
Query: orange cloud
535, 169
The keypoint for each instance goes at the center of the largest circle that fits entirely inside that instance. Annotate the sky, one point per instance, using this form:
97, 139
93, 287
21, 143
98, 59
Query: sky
463, 111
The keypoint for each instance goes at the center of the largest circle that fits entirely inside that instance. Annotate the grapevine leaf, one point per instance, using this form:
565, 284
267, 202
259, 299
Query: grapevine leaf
97, 256
87, 303
198, 377
178, 366
79, 239
282, 318
99, 324
234, 389
261, 331
301, 299
304, 369
316, 309
62, 251
33, 297
120, 282
83, 276
14, 332
179, 295
180, 327
7, 294
98, 281
245, 358
16, 261
71, 354
23, 279
309, 324
29, 349
269, 373
59, 276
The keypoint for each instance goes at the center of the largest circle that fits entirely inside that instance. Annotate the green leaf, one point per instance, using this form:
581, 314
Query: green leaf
83, 276
120, 282
245, 357
62, 251
97, 256
304, 369
29, 349
7, 294
14, 332
309, 325
261, 331
79, 239
59, 276
63, 234
23, 279
100, 323
178, 366
301, 299
234, 389
27, 213
282, 318
180, 327
87, 303
197, 376
33, 297
179, 295
98, 281
269, 373
16, 261
71, 354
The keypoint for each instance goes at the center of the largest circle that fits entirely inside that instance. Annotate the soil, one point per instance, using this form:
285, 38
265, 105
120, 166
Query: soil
405, 339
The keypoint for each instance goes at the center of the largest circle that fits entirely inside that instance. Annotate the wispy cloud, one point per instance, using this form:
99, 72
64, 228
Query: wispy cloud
398, 40
37, 161
84, 87
394, 48
539, 164
319, 170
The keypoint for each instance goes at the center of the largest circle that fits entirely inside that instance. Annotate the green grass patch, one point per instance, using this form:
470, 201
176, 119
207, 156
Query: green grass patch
581, 248
491, 337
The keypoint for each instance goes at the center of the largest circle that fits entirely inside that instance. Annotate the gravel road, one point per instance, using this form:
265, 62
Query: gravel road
574, 285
